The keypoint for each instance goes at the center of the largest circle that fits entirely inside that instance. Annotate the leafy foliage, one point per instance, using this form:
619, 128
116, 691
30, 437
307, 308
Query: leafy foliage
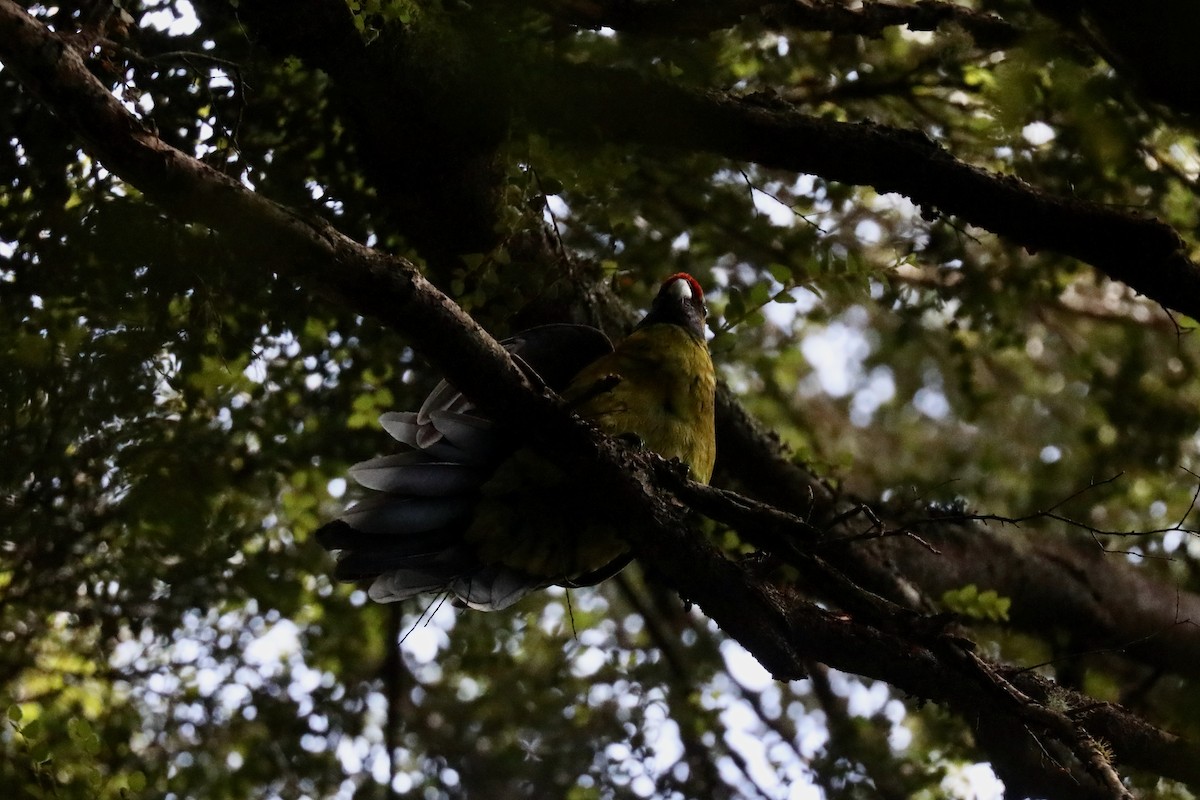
176, 422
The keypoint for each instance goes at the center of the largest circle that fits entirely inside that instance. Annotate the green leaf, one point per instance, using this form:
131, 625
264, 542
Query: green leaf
33, 730
970, 602
79, 729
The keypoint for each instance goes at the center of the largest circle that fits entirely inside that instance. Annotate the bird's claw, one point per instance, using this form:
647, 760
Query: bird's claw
632, 441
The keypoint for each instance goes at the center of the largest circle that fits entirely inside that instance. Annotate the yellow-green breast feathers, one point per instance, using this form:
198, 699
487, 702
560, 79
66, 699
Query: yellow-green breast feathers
661, 390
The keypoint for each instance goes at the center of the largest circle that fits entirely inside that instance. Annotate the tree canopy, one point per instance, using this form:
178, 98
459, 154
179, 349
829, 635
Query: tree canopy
953, 271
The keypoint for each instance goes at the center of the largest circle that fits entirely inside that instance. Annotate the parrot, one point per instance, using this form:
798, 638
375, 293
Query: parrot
464, 509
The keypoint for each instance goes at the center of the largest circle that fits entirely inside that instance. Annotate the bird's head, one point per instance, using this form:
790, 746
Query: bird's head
680, 302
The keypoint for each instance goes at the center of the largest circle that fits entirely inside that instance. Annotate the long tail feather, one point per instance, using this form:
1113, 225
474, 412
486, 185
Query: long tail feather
404, 428
363, 563
494, 587
414, 473
410, 537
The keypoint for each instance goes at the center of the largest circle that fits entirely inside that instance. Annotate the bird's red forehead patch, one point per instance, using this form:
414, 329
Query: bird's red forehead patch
693, 284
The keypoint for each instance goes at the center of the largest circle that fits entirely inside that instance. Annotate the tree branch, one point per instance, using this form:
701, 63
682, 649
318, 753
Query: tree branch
588, 104
1055, 585
584, 103
774, 622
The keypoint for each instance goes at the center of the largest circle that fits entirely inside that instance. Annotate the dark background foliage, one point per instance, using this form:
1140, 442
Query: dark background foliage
950, 253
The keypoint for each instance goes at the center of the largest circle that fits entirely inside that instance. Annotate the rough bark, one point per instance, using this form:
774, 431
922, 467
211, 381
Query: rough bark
781, 627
